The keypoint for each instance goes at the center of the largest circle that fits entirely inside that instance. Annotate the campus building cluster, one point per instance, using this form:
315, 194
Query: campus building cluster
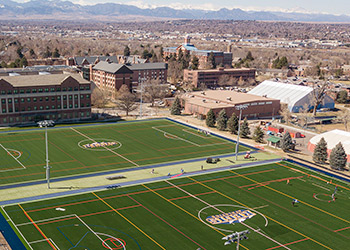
220, 57
31, 98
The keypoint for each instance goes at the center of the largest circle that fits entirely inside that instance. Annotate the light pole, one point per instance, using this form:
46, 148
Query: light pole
240, 108
45, 124
141, 82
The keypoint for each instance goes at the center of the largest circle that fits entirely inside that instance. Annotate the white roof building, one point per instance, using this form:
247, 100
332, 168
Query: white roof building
332, 138
294, 95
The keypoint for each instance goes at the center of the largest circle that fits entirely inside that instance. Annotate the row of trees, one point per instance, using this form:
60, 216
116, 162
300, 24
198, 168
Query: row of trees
337, 157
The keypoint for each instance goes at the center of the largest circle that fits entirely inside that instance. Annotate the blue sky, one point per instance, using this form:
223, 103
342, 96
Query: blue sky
319, 6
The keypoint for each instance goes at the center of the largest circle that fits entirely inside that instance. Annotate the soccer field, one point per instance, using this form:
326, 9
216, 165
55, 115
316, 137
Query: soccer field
192, 212
98, 148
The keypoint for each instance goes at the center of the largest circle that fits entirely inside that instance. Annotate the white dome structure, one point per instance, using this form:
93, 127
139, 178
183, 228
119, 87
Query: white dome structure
294, 95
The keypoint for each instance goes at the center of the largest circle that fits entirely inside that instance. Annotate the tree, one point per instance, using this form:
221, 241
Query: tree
286, 142
99, 98
176, 107
222, 120
285, 113
249, 56
232, 124
320, 153
126, 101
126, 51
318, 94
345, 118
146, 54
194, 63
56, 53
258, 135
154, 90
342, 96
32, 53
211, 60
337, 158
210, 119
245, 131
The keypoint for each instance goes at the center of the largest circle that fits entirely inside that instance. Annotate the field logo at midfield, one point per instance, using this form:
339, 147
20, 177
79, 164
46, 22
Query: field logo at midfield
100, 144
233, 217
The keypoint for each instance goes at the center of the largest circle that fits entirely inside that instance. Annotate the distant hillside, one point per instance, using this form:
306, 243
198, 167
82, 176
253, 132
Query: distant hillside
58, 9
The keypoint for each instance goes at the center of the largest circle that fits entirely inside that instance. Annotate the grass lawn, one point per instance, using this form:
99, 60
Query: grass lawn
88, 149
184, 213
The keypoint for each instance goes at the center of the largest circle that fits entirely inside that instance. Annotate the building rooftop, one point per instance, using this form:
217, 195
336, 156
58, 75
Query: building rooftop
287, 93
144, 66
41, 80
222, 98
108, 67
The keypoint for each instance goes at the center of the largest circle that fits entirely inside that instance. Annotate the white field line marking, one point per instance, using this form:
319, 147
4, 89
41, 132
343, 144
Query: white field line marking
193, 133
54, 244
110, 150
93, 232
260, 207
50, 219
2, 207
38, 241
301, 179
193, 143
251, 228
13, 156
176, 136
320, 186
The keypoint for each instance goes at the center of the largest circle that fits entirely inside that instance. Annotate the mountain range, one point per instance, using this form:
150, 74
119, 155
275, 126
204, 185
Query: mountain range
58, 9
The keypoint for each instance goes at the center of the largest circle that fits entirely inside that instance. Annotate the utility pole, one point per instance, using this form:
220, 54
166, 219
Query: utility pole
240, 108
141, 82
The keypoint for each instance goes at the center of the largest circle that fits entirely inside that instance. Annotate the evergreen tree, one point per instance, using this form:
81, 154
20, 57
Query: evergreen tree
126, 51
211, 60
195, 63
286, 142
232, 124
258, 135
56, 53
342, 96
176, 107
320, 153
245, 131
222, 120
249, 56
211, 119
337, 159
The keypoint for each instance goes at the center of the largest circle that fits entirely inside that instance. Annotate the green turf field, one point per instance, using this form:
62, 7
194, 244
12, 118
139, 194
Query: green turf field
173, 214
128, 144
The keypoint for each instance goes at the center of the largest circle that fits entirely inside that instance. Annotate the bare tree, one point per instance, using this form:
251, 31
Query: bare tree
99, 97
318, 94
285, 113
154, 90
126, 100
345, 118
303, 117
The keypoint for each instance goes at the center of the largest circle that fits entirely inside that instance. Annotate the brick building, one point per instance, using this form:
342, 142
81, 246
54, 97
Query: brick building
224, 58
199, 103
110, 76
149, 71
214, 77
30, 98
